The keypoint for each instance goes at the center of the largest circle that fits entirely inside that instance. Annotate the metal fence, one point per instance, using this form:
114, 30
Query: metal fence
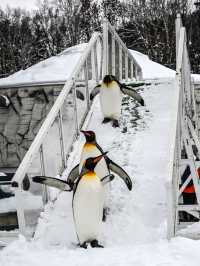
185, 149
117, 59
49, 150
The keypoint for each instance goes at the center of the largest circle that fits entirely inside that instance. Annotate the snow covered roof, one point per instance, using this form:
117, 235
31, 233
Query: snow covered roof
54, 69
150, 69
58, 68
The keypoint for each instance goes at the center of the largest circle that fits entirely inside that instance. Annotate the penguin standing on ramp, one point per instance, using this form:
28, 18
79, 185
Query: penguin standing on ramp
92, 149
102, 169
111, 98
87, 202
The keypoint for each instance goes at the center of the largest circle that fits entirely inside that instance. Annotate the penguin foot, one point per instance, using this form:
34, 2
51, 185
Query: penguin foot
83, 245
115, 123
106, 120
95, 244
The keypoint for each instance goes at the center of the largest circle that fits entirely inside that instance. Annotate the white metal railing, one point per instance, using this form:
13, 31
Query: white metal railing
185, 148
117, 59
55, 116
49, 146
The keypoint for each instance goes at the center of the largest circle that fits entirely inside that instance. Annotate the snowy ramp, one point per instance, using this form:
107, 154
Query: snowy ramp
135, 230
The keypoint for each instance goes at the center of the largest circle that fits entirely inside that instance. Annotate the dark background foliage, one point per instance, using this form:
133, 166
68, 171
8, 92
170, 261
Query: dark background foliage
146, 26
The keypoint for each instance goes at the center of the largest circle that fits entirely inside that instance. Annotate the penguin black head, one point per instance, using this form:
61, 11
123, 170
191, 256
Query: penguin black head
89, 135
90, 163
108, 79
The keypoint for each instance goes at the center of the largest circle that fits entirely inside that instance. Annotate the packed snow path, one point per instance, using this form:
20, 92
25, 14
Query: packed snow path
135, 230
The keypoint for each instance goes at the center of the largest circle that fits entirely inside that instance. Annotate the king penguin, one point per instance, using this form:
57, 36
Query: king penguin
102, 169
88, 201
92, 149
111, 98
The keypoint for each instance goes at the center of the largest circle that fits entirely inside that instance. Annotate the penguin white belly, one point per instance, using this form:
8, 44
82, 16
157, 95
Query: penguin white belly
88, 208
111, 99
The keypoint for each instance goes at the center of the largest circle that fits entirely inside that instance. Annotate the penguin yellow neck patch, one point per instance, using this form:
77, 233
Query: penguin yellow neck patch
90, 176
89, 146
111, 85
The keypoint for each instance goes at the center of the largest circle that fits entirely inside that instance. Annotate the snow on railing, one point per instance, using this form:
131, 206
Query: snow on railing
55, 123
103, 55
185, 148
117, 59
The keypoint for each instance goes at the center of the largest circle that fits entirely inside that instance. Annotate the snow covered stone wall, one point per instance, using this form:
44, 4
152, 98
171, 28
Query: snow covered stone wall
21, 120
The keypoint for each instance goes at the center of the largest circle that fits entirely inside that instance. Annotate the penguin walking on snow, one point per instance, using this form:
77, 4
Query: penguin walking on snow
87, 202
102, 169
111, 98
92, 149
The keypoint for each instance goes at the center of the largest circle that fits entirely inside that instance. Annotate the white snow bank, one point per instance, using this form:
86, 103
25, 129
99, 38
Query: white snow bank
58, 68
135, 231
55, 68
31, 202
150, 69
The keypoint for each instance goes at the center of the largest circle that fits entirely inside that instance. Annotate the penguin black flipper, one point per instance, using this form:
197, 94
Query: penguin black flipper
94, 92
129, 91
100, 149
120, 172
132, 93
52, 182
73, 175
107, 179
134, 85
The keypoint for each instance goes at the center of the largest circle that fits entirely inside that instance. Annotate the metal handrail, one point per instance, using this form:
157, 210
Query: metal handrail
55, 112
183, 134
34, 148
37, 144
107, 27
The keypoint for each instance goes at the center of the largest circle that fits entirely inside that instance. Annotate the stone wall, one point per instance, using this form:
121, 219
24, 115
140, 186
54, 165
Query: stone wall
20, 122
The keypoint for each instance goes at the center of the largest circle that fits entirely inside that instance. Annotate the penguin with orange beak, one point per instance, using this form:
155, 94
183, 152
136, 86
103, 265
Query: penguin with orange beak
87, 202
104, 168
92, 149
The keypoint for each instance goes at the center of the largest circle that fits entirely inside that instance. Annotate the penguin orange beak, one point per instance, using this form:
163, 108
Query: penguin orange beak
98, 158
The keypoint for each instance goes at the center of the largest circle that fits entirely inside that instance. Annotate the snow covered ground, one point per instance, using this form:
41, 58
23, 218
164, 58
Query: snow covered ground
135, 231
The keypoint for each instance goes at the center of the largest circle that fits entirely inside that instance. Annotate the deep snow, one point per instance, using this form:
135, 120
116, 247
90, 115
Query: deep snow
135, 232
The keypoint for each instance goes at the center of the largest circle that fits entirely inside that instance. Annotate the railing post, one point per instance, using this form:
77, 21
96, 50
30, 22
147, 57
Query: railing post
178, 27
86, 85
62, 146
113, 55
131, 69
20, 211
96, 64
105, 47
120, 62
126, 66
93, 64
45, 189
75, 108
